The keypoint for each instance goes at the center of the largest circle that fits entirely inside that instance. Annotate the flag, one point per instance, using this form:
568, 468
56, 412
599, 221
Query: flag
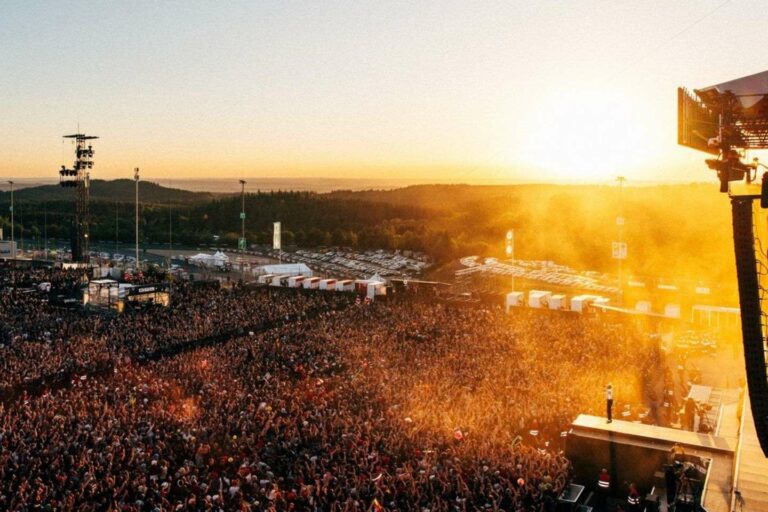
457, 435
276, 236
376, 505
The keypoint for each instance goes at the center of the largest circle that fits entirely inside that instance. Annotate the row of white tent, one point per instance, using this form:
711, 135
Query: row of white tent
542, 299
372, 287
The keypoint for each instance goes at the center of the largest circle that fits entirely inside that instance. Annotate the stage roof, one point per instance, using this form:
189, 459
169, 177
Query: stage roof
749, 90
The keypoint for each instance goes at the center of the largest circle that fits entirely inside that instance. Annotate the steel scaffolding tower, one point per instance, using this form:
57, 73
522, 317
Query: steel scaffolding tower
79, 178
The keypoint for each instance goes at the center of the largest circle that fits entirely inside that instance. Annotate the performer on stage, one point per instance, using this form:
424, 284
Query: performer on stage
609, 402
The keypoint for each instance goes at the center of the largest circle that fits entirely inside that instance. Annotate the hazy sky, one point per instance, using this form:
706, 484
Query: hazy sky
468, 91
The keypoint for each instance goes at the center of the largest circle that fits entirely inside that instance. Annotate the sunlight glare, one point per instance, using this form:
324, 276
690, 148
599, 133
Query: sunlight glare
586, 135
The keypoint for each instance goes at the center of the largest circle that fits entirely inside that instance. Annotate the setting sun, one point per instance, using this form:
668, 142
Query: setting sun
586, 134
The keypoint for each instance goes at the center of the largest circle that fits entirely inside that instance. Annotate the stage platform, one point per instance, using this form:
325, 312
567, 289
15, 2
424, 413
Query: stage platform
636, 452
660, 438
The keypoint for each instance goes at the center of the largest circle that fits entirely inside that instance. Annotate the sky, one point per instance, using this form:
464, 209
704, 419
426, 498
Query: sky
476, 92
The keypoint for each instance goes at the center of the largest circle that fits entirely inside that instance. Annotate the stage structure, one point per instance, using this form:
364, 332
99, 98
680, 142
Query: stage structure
79, 178
727, 121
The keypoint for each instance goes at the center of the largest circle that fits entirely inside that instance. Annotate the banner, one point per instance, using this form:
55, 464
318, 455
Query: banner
619, 250
276, 237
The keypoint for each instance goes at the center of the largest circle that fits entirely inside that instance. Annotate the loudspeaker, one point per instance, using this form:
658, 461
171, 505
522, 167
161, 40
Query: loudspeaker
751, 314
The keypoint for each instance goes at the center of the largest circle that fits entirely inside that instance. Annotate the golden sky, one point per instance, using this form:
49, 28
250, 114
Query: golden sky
436, 91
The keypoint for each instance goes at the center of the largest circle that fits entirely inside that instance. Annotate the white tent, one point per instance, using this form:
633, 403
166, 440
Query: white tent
289, 269
201, 259
219, 259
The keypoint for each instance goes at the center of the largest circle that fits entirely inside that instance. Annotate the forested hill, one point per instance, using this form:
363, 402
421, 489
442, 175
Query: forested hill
115, 190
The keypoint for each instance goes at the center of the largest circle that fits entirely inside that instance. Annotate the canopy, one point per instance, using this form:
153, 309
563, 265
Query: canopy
291, 269
750, 90
219, 259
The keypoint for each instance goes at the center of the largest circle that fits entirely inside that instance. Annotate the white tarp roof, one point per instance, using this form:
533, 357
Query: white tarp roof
217, 259
750, 89
376, 278
103, 281
292, 269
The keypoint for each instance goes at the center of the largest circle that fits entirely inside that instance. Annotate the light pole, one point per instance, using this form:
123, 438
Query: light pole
509, 250
170, 233
117, 206
242, 217
620, 225
13, 239
136, 179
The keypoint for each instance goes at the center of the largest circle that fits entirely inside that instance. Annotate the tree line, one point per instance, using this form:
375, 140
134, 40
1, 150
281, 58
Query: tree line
308, 220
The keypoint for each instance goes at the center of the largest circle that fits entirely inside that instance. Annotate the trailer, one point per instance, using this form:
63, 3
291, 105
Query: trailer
643, 306
296, 281
376, 289
513, 300
538, 298
265, 279
672, 310
280, 280
345, 285
580, 302
328, 284
558, 302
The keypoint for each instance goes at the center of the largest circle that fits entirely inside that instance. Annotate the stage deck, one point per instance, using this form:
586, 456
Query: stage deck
720, 449
752, 472
661, 438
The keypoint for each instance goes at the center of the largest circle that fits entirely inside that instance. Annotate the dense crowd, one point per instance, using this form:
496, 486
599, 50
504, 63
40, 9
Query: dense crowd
197, 313
41, 340
403, 405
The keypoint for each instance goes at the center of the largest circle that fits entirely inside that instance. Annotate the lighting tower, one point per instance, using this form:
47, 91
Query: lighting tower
241, 243
136, 180
12, 234
79, 178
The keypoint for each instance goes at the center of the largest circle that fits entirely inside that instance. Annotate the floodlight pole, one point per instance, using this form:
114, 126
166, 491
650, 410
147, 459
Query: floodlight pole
117, 225
136, 179
13, 239
621, 180
170, 250
170, 233
242, 214
509, 250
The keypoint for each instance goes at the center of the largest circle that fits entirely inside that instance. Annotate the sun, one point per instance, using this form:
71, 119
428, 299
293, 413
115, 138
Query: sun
586, 135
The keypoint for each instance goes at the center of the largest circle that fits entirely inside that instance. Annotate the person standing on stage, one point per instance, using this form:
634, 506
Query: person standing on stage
609, 402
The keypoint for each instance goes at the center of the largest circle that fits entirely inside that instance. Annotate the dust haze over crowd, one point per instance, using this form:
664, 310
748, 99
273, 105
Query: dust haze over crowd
672, 231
